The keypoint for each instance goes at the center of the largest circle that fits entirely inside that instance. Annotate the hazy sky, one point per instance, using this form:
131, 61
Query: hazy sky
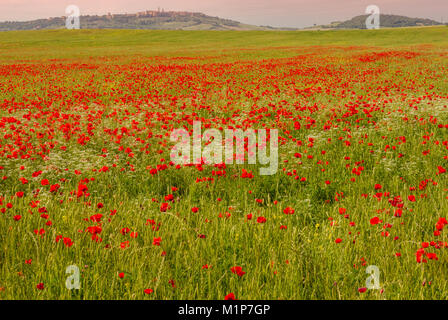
281, 13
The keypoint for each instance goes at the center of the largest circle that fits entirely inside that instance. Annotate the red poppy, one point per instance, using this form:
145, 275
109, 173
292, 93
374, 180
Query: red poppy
164, 207
148, 291
157, 241
230, 296
261, 219
238, 271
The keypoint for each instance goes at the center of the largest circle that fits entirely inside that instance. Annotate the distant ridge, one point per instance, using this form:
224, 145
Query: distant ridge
386, 21
155, 20
182, 20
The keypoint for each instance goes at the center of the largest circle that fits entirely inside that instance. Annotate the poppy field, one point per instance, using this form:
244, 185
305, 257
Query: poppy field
92, 206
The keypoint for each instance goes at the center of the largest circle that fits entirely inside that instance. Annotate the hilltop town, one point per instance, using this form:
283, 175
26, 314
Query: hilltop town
150, 19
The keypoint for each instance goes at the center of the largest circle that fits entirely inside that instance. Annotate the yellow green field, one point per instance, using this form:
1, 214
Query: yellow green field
86, 178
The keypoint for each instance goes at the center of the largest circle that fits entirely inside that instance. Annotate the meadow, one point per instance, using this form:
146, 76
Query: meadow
86, 180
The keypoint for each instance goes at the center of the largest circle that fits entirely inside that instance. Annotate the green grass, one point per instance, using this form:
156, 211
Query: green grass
57, 44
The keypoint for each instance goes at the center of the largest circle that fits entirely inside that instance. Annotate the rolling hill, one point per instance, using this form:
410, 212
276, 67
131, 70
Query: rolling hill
181, 20
153, 20
386, 21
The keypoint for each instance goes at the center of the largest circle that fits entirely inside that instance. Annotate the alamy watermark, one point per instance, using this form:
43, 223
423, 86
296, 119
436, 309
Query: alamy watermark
373, 281
72, 282
72, 20
373, 21
214, 149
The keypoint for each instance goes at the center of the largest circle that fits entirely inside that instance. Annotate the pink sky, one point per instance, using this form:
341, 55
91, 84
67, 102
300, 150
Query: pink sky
281, 13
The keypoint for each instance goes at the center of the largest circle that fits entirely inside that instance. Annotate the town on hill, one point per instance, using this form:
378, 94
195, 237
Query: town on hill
182, 20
